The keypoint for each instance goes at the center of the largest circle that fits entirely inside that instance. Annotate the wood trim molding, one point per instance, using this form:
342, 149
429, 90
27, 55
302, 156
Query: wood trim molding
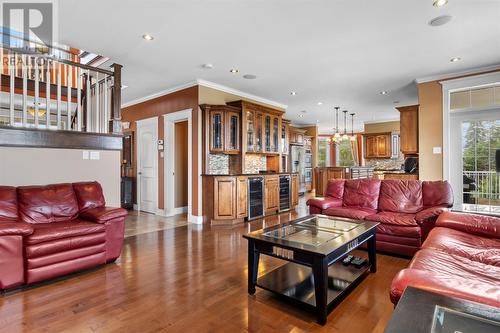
37, 138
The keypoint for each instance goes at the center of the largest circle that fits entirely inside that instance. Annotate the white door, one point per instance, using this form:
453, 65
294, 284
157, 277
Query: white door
475, 138
147, 165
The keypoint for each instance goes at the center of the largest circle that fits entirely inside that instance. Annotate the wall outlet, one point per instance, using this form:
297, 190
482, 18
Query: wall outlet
95, 155
85, 155
436, 150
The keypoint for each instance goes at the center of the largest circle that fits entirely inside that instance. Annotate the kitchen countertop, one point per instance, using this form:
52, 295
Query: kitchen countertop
248, 174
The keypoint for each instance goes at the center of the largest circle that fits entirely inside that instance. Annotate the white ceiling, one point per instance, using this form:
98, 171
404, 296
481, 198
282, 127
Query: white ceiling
339, 52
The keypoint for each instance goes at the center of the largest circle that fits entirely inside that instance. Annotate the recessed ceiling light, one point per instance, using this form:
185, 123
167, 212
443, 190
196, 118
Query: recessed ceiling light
207, 66
124, 86
455, 59
384, 92
293, 93
320, 103
249, 76
396, 102
440, 20
439, 3
234, 70
147, 37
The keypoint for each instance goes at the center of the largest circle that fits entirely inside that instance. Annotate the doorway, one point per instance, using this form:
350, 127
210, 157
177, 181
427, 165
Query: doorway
147, 165
475, 141
178, 163
181, 166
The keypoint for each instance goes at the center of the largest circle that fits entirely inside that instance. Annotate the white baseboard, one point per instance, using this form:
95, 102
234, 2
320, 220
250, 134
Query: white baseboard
195, 219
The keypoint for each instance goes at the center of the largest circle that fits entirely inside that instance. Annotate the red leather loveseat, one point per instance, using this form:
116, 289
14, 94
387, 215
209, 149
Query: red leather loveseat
406, 209
460, 258
53, 230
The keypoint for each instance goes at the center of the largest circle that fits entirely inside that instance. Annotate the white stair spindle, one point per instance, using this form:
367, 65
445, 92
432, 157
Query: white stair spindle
25, 90
68, 96
97, 111
105, 107
37, 92
78, 99
47, 95
12, 74
59, 68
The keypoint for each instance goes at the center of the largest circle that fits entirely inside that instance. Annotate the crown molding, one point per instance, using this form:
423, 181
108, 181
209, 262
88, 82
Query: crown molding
208, 84
240, 93
472, 71
381, 121
160, 93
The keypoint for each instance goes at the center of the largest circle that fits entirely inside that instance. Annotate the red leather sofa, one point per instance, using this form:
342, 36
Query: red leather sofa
49, 231
460, 258
406, 209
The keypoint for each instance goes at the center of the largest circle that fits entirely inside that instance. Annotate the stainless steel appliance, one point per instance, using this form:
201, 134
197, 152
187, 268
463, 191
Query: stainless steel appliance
255, 197
284, 193
297, 165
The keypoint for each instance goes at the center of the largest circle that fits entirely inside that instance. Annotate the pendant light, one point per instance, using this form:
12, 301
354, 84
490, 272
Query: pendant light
345, 137
336, 136
353, 137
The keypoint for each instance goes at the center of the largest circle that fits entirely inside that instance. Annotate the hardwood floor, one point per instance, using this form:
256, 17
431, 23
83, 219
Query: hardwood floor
188, 279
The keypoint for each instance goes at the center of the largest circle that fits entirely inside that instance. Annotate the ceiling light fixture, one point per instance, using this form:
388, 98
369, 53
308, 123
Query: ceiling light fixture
345, 137
336, 136
249, 76
301, 115
293, 93
455, 59
384, 92
147, 37
207, 66
320, 103
234, 70
439, 3
353, 137
440, 20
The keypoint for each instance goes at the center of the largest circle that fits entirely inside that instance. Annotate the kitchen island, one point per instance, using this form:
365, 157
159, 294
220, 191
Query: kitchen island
324, 174
233, 198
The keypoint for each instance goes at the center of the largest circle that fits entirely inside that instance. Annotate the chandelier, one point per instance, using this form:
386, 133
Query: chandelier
338, 136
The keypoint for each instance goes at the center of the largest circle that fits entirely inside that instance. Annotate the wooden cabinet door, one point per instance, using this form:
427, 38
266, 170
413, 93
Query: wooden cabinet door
271, 194
285, 138
383, 146
299, 137
242, 197
267, 133
295, 190
232, 139
409, 129
216, 131
258, 141
224, 198
275, 134
370, 147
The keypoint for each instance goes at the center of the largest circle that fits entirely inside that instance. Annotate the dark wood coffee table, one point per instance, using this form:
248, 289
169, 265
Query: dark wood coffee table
313, 246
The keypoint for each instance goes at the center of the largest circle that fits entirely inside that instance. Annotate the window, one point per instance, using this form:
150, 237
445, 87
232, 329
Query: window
323, 152
345, 154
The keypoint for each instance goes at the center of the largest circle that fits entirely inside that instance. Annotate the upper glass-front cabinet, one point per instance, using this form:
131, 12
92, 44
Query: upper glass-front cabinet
284, 137
216, 131
267, 133
276, 135
250, 131
233, 132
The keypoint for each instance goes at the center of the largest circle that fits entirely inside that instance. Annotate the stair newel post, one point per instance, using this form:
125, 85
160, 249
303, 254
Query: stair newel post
115, 124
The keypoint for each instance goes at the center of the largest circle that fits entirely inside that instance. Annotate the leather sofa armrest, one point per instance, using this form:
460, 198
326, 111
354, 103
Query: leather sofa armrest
324, 203
103, 214
429, 214
15, 228
481, 225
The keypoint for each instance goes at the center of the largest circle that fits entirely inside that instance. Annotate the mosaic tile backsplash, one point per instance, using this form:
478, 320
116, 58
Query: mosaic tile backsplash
385, 164
255, 163
218, 164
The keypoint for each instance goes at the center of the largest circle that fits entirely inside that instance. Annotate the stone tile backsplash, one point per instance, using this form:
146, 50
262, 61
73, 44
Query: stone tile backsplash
218, 164
254, 163
385, 164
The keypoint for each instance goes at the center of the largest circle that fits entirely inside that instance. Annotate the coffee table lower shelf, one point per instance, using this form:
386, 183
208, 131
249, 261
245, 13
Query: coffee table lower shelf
296, 282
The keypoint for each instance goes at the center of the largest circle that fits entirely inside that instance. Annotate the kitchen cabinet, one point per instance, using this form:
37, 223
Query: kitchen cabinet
324, 174
297, 136
271, 195
224, 126
409, 129
378, 145
224, 198
275, 144
242, 197
295, 190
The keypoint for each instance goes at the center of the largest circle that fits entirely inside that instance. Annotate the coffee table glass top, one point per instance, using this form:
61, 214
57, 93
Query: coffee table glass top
446, 320
314, 233
305, 234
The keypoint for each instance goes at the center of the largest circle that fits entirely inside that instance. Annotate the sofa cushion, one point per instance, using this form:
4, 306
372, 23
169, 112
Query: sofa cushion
437, 193
335, 188
324, 203
8, 203
46, 204
362, 193
357, 213
64, 244
401, 219
476, 248
401, 196
398, 230
60, 230
89, 195
62, 256
481, 225
103, 214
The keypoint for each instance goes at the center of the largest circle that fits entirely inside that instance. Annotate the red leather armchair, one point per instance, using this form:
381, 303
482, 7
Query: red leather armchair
406, 209
49, 231
459, 258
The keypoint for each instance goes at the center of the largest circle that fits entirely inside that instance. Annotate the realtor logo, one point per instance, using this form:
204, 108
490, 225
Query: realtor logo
28, 26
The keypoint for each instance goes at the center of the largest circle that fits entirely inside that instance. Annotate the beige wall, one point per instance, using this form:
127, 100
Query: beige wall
387, 126
41, 166
213, 96
430, 133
